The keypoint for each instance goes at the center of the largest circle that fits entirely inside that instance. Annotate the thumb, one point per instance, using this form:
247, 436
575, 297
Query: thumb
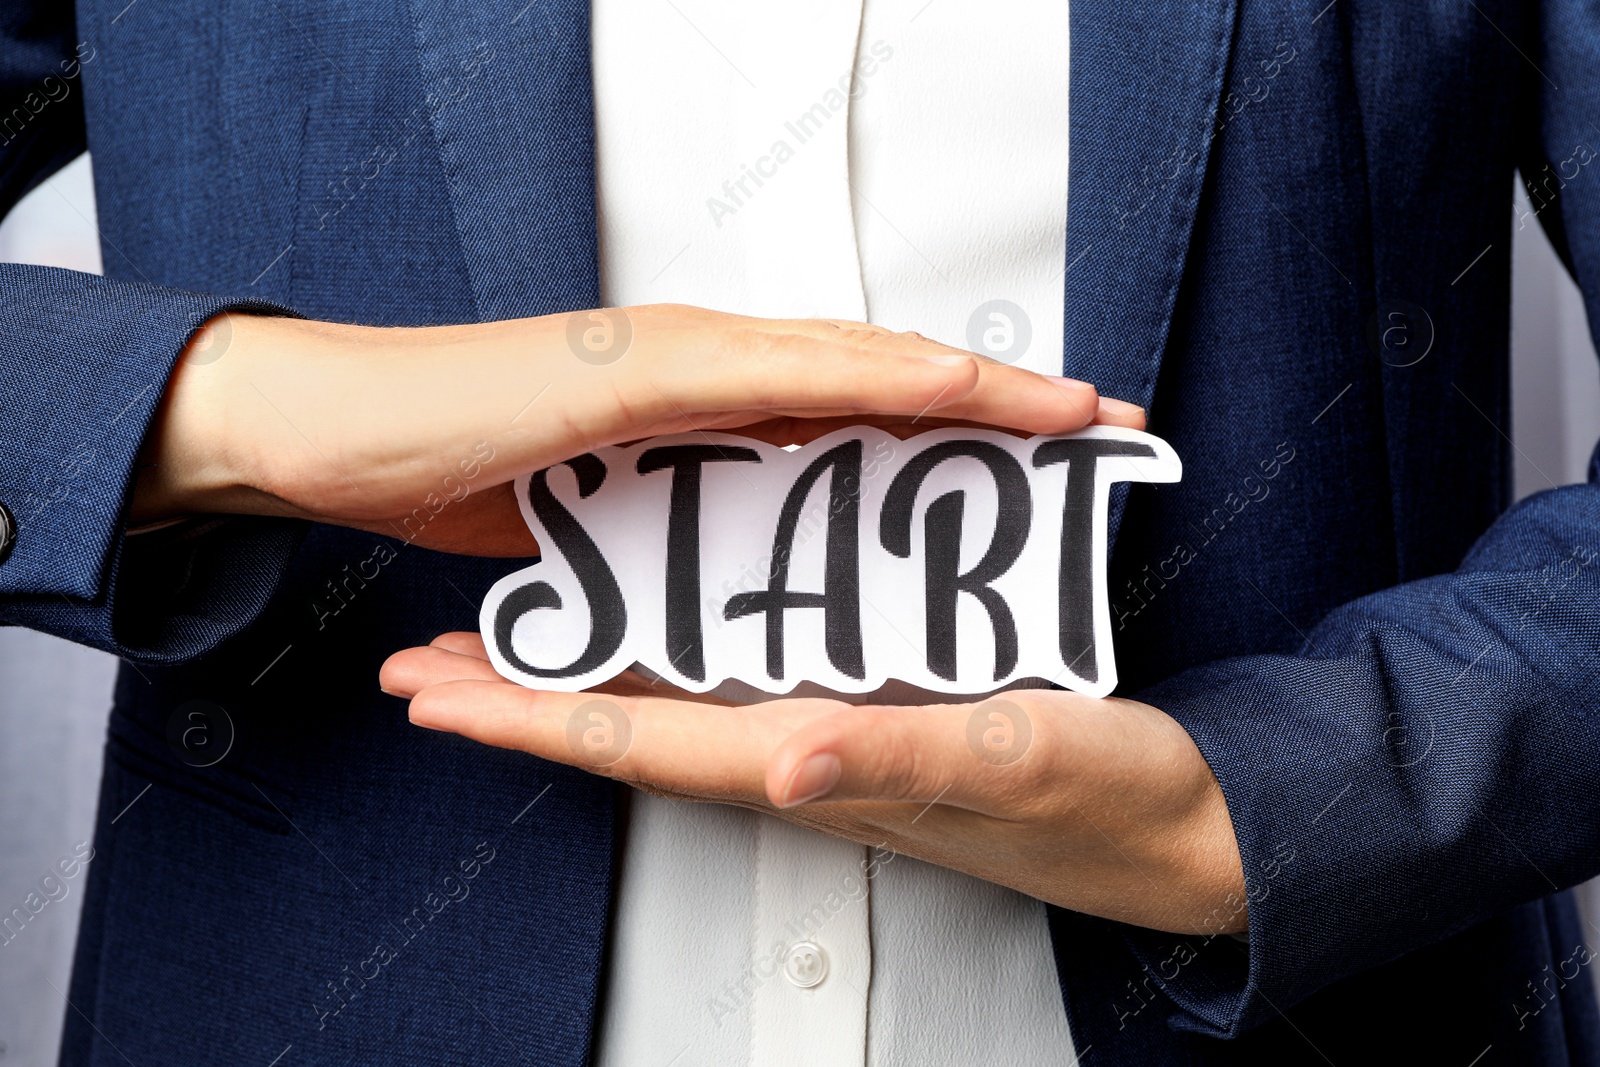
974, 756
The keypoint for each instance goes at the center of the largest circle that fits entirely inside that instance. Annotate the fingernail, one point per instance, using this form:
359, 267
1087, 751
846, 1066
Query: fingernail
1069, 383
947, 361
1120, 407
812, 780
425, 725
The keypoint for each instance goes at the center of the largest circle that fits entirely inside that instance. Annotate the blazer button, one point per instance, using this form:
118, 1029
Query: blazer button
8, 532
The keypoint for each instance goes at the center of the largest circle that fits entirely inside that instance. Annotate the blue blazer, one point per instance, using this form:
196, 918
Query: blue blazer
1289, 237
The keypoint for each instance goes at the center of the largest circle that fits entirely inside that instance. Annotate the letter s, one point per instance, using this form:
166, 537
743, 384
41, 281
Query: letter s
608, 614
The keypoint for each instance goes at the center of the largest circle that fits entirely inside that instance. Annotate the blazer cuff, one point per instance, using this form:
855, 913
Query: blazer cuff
1277, 752
84, 362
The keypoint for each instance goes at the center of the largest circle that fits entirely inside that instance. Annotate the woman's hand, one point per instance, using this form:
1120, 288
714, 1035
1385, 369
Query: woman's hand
381, 428
1101, 806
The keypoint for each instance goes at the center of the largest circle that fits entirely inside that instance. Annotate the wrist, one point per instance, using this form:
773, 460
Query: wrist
1180, 840
1205, 852
192, 462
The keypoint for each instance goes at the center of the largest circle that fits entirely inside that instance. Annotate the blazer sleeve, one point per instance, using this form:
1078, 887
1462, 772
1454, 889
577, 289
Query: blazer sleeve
83, 364
1429, 759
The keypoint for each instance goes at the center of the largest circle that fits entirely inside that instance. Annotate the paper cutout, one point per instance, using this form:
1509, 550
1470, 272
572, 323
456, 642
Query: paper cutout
853, 560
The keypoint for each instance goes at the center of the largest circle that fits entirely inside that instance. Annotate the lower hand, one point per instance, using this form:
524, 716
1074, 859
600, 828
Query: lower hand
1099, 806
418, 433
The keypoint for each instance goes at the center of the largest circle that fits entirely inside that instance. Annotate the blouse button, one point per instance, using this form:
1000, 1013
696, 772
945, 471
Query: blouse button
805, 965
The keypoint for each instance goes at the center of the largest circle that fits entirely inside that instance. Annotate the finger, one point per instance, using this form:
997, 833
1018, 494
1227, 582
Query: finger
1014, 401
795, 430
682, 747
1119, 413
631, 683
820, 368
792, 367
802, 431
973, 756
1004, 398
798, 431
1011, 397
462, 643
412, 670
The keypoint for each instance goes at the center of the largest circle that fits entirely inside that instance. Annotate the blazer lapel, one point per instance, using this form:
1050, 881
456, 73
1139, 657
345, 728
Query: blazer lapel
510, 102
1146, 78
511, 105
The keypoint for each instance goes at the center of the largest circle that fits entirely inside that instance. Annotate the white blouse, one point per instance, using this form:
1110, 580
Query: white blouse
902, 162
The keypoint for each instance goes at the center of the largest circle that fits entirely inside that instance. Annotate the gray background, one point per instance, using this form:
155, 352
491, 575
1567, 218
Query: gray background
54, 695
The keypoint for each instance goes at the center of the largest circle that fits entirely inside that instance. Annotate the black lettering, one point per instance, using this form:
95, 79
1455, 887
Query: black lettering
608, 614
840, 600
941, 550
685, 641
1076, 576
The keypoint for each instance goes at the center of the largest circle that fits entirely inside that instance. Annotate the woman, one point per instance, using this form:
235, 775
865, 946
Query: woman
344, 887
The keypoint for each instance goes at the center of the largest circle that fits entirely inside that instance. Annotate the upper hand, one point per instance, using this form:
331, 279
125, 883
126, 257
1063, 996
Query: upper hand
418, 433
1100, 806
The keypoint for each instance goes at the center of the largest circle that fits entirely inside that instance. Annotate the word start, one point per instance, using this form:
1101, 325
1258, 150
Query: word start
959, 561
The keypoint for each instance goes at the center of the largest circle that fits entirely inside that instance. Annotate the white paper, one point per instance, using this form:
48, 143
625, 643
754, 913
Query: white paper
602, 599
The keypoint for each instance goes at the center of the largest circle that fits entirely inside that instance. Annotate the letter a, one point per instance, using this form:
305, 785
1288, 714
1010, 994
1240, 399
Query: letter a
840, 600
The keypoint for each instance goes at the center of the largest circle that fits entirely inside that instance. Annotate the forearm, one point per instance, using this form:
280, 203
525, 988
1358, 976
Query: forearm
288, 417
363, 426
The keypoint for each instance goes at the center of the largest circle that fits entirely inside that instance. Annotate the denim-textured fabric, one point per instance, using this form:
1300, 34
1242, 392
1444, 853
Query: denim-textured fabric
1276, 208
